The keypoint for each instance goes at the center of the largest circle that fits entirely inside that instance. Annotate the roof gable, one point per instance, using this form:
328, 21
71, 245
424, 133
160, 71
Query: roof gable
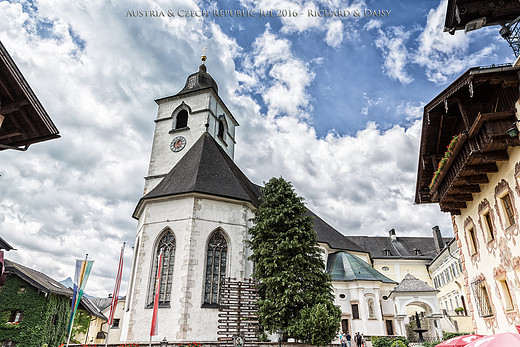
412, 284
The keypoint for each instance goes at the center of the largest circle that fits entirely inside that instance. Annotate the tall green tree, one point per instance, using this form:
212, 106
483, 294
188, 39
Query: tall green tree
289, 265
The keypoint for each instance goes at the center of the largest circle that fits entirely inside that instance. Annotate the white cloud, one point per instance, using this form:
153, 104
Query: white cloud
392, 41
334, 35
284, 77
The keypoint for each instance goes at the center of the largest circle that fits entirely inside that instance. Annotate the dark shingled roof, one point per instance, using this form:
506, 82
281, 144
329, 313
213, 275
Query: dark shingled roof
402, 247
327, 234
46, 284
206, 169
412, 284
5, 245
198, 81
344, 266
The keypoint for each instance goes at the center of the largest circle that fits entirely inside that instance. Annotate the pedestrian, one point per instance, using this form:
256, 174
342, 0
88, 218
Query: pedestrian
363, 340
358, 340
349, 338
343, 339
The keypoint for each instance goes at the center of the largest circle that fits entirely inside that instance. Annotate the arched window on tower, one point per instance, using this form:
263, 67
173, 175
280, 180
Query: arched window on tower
167, 245
221, 129
216, 257
182, 120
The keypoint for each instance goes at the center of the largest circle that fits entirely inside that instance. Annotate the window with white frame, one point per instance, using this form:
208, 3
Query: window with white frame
506, 294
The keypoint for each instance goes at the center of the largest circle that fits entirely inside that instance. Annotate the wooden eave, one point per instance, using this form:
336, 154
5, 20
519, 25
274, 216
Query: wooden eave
461, 12
25, 120
480, 109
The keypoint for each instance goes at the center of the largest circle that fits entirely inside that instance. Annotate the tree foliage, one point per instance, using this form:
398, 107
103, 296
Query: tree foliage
294, 288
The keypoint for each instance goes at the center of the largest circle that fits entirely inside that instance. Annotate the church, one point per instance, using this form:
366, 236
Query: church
197, 208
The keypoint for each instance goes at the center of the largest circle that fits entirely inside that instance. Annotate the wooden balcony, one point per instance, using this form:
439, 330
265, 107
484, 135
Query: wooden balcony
478, 153
480, 115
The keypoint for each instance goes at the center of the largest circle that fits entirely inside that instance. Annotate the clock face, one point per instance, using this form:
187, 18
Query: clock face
178, 144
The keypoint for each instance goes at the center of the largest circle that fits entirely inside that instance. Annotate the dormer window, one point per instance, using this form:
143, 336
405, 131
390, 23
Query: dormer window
417, 251
181, 120
386, 252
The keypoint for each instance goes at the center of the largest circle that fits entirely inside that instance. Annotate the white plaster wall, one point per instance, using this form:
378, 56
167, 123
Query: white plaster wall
492, 255
192, 220
358, 292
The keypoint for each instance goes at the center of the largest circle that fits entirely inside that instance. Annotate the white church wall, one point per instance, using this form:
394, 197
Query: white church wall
192, 220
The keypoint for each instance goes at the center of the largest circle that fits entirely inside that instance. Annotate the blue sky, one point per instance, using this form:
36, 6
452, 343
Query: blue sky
333, 105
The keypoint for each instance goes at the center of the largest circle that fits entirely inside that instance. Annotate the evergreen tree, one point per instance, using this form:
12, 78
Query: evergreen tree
289, 265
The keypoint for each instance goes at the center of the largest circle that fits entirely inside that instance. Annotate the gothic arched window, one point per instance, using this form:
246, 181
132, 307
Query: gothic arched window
182, 120
215, 267
167, 245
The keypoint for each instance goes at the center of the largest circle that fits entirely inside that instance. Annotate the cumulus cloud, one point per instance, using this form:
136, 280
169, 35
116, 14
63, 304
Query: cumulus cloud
284, 78
441, 55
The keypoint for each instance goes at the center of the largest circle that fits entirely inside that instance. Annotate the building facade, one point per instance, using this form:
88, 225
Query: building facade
447, 275
470, 164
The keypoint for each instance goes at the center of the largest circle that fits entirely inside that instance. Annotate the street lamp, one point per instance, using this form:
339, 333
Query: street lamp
280, 336
164, 343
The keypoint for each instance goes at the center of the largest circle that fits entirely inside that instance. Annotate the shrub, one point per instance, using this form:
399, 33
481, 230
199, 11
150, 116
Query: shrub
383, 341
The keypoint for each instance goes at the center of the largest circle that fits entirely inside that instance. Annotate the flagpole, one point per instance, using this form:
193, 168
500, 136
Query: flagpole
153, 330
115, 294
72, 324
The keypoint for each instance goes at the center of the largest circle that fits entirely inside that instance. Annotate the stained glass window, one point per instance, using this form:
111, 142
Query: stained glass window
167, 246
215, 267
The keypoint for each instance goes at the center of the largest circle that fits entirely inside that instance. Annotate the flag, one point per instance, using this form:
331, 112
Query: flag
153, 330
83, 268
115, 295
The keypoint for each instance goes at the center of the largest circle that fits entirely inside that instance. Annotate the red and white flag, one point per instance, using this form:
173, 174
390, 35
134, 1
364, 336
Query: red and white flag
153, 330
115, 295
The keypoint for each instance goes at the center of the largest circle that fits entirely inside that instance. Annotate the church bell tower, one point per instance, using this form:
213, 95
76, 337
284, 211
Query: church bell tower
183, 118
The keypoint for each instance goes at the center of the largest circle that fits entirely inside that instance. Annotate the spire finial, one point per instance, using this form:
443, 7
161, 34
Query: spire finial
203, 57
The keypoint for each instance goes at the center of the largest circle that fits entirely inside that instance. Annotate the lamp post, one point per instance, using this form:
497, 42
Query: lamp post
280, 336
164, 342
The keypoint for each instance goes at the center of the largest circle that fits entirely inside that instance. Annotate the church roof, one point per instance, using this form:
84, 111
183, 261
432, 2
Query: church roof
199, 80
327, 234
205, 169
412, 284
401, 247
344, 266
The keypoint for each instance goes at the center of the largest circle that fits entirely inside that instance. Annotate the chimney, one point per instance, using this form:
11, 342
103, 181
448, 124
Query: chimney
437, 238
391, 233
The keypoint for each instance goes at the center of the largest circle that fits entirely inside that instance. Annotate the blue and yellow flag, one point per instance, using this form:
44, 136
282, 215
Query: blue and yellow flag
83, 268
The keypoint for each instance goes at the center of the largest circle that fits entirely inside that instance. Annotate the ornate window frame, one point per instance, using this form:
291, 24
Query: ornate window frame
182, 107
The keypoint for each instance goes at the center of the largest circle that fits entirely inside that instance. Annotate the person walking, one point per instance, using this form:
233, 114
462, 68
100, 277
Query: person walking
343, 339
357, 339
348, 338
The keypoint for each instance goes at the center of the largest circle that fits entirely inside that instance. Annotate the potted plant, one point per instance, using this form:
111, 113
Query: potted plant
459, 310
